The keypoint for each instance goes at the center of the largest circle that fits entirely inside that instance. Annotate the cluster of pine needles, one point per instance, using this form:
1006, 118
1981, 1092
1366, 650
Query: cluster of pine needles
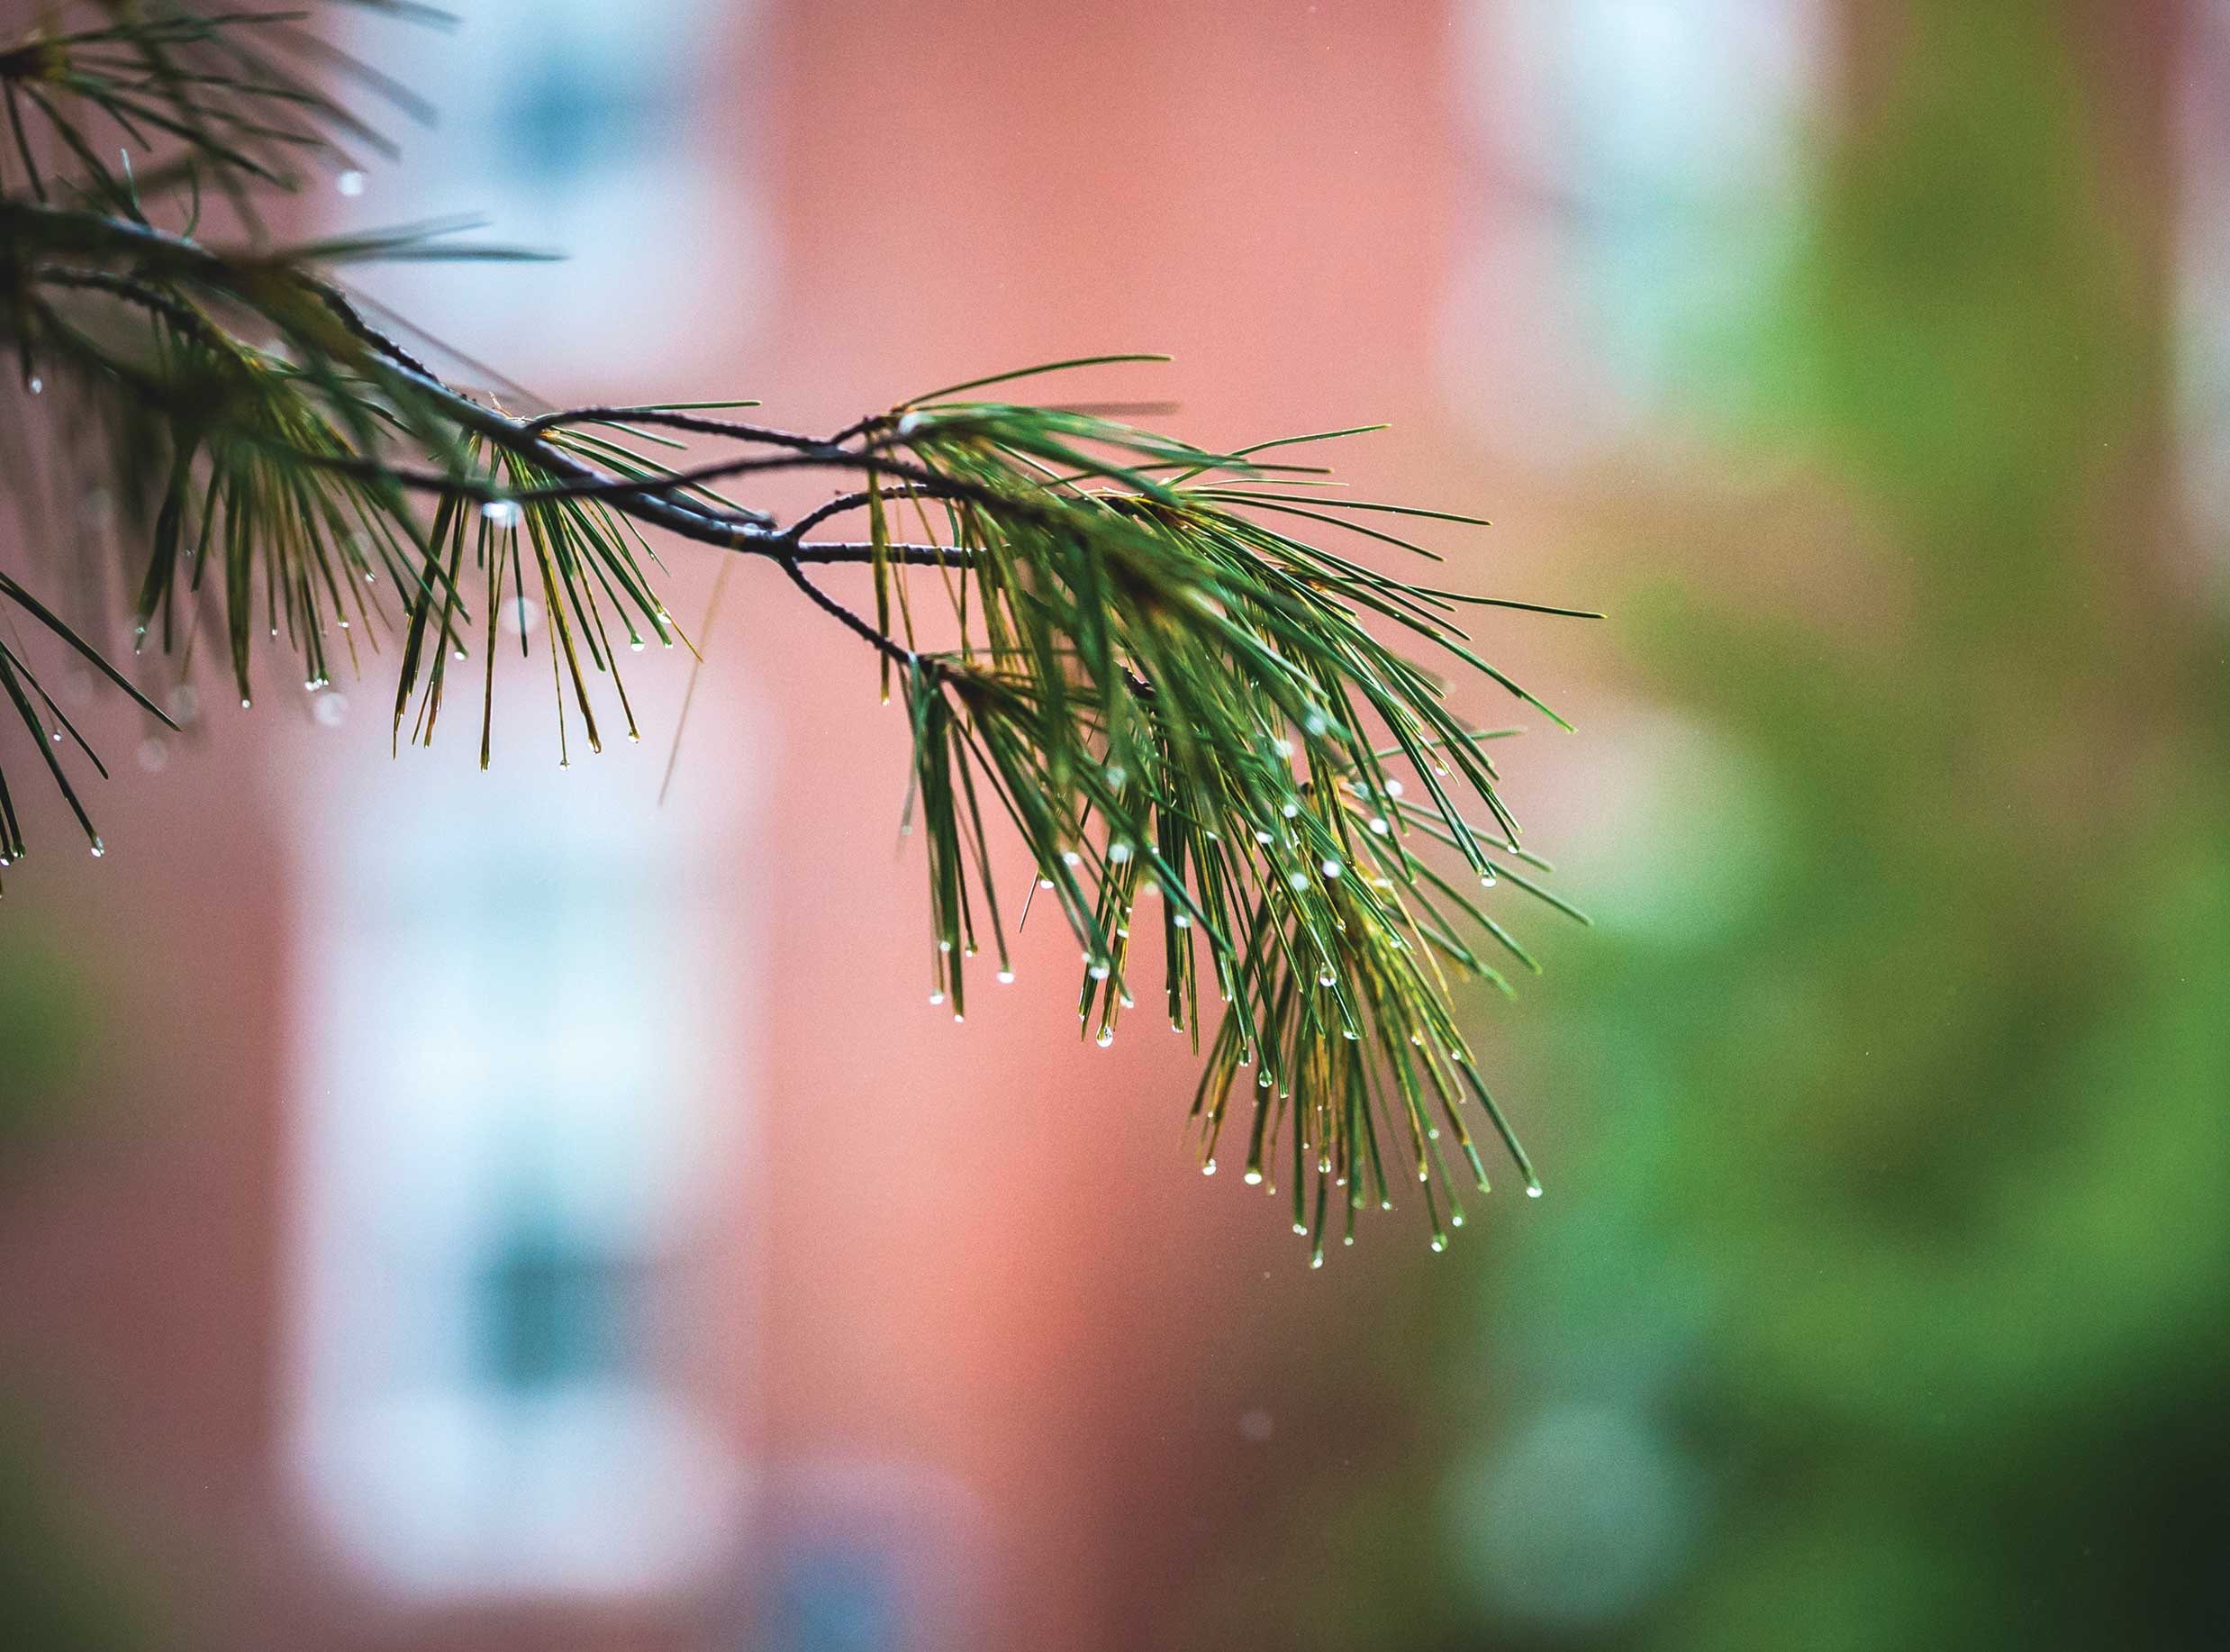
1165, 667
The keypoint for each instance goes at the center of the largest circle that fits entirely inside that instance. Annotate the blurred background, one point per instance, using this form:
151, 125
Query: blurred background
442, 1211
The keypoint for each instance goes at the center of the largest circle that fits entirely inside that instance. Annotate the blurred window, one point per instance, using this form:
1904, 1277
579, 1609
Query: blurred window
866, 1556
836, 1597
514, 1104
2202, 255
1641, 167
612, 134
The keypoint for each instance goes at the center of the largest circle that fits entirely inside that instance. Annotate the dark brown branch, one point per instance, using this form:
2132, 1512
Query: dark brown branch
829, 604
674, 419
904, 554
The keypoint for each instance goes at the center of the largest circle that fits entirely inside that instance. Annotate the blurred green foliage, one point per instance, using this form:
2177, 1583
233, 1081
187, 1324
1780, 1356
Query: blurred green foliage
63, 1586
1879, 1301
44, 1037
62, 1589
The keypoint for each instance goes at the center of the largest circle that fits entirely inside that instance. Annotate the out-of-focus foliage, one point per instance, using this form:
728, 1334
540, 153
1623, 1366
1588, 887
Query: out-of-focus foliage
43, 1040
1885, 1307
60, 1587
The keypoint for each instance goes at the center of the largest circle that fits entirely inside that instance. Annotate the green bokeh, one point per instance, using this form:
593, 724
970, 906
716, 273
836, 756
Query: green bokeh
1890, 1210
65, 1583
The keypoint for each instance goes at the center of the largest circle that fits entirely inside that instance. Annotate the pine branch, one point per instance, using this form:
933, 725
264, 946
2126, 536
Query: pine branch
1186, 712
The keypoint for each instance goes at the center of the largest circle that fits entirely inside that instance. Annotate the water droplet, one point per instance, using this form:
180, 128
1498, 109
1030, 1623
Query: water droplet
937, 997
351, 182
1119, 852
1297, 880
1106, 1038
1439, 1241
637, 643
1393, 788
1314, 724
1070, 857
1533, 1191
1379, 825
944, 946
1099, 970
1253, 1176
1263, 836
458, 654
1208, 1167
1331, 869
1044, 883
1456, 1219
1325, 976
1183, 920
1290, 810
99, 848
36, 385
958, 1017
500, 512
1117, 777
1315, 1261
1006, 977
1283, 748
1486, 878
244, 704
